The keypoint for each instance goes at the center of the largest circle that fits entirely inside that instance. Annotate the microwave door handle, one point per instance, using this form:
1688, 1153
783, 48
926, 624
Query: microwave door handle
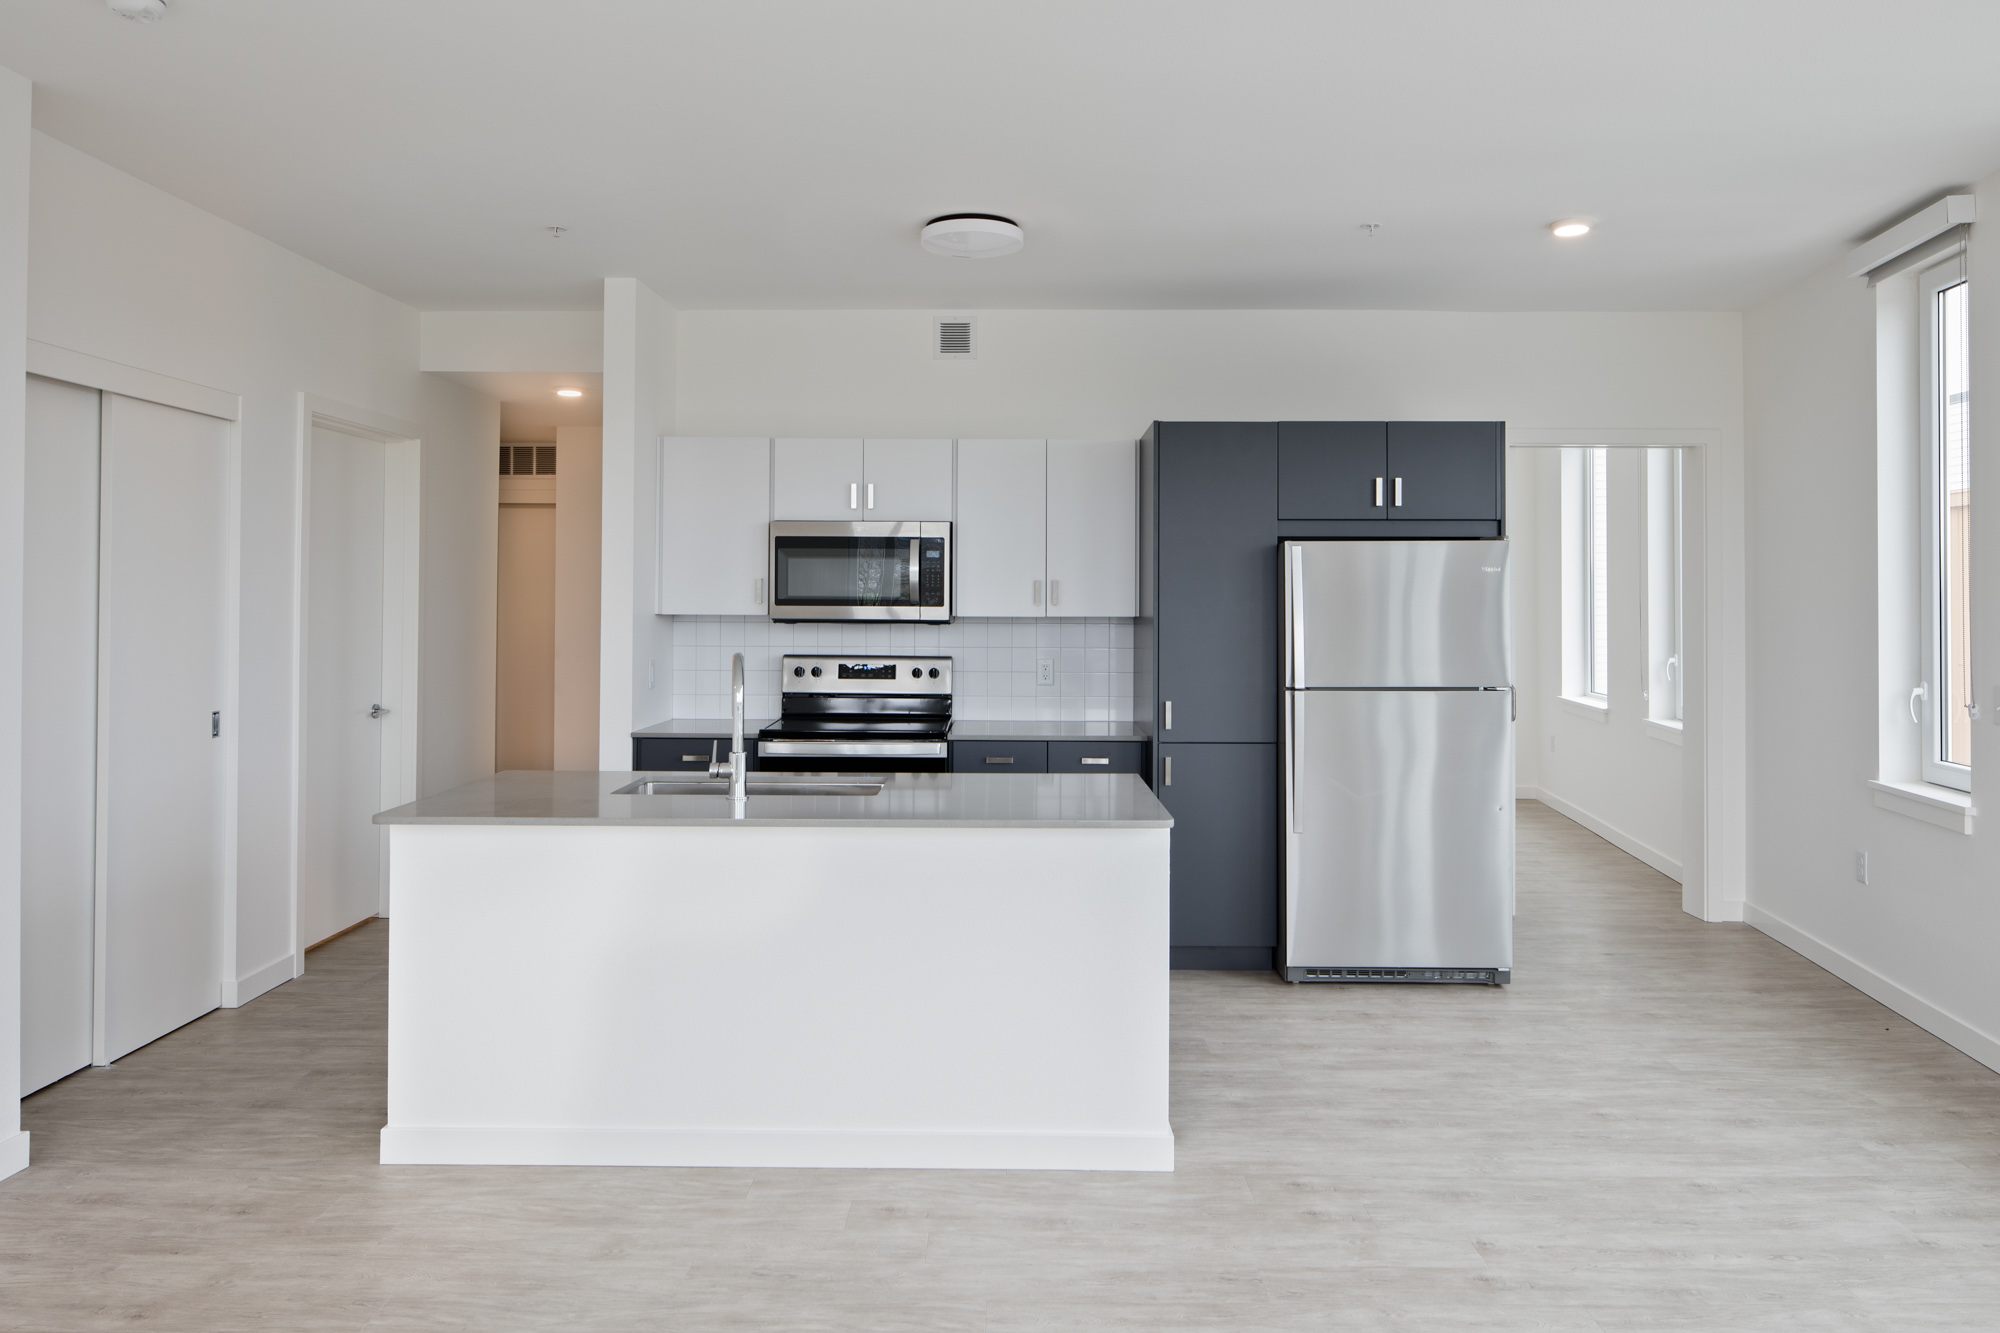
915, 544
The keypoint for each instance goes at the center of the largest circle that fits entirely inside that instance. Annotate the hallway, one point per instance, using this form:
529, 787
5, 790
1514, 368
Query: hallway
1660, 1125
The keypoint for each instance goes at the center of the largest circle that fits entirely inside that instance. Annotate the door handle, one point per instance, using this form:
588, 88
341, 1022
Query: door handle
999, 758
215, 724
1297, 626
1170, 771
1036, 596
1055, 592
697, 758
1378, 492
1106, 761
1292, 764
1399, 490
757, 594
854, 495
1170, 715
871, 495
374, 710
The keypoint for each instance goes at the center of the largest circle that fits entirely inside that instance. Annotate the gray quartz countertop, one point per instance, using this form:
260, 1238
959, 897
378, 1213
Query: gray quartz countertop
962, 729
907, 800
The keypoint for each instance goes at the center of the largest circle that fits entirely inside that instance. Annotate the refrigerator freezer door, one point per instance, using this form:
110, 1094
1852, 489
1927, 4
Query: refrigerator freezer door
1416, 614
1399, 828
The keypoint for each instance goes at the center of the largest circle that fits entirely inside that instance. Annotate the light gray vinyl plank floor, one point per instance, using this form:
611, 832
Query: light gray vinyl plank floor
1662, 1125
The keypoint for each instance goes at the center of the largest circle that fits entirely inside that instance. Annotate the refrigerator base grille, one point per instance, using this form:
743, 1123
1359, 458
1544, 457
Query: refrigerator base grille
1449, 976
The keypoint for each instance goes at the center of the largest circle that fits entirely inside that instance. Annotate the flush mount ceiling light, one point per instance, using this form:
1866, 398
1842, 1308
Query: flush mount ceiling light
972, 236
144, 11
1571, 228
569, 393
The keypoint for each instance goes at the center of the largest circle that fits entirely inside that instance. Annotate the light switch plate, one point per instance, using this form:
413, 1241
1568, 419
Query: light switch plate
1861, 867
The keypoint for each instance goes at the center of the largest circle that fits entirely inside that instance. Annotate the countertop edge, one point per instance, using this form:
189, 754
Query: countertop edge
530, 821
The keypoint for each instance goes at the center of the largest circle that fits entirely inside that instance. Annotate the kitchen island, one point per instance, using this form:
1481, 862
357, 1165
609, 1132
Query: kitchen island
963, 970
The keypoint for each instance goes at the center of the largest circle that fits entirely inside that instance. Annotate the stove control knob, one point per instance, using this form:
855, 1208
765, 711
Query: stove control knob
815, 671
798, 671
933, 673
916, 672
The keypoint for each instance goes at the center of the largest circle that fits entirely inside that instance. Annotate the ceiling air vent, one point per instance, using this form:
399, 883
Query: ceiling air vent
527, 460
953, 337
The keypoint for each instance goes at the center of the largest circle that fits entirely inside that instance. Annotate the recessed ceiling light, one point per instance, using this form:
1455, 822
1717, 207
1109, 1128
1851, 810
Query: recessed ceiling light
145, 11
1571, 229
569, 393
972, 236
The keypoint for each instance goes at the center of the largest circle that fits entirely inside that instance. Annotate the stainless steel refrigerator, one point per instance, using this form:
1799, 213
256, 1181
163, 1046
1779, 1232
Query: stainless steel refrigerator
1398, 762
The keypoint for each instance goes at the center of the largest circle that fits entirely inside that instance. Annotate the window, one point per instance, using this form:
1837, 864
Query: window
1943, 700
1596, 546
1665, 668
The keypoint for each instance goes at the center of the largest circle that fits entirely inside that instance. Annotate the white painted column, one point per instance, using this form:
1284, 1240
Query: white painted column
15, 95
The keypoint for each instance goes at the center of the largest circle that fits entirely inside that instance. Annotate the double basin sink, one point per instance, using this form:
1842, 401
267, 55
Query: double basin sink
766, 785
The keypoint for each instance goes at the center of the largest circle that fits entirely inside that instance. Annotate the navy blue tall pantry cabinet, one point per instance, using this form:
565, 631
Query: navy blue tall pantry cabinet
1216, 499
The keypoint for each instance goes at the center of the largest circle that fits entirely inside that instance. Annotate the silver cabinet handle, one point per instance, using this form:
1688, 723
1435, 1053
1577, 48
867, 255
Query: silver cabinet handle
1921, 692
854, 495
1378, 492
1055, 592
215, 724
999, 758
1170, 715
871, 495
1036, 596
374, 710
1399, 490
1170, 771
695, 758
1094, 761
757, 594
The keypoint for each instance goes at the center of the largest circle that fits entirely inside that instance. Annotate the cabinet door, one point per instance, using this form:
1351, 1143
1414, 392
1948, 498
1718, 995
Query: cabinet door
682, 754
715, 512
1449, 469
1093, 527
1224, 800
1217, 611
817, 479
1330, 469
907, 481
997, 545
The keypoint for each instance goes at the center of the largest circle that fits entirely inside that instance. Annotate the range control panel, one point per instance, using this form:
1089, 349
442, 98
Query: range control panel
864, 675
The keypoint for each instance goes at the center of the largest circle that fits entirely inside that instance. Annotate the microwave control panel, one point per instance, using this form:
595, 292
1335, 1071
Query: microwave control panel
930, 571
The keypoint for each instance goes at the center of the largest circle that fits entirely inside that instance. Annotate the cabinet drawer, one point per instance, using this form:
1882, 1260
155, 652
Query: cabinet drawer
676, 754
1096, 756
999, 756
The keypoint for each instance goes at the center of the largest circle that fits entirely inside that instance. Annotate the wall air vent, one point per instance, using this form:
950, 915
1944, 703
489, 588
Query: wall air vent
527, 460
953, 338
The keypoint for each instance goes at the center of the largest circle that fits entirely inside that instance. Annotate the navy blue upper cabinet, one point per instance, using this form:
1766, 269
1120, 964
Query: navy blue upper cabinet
1448, 469
1333, 469
1217, 609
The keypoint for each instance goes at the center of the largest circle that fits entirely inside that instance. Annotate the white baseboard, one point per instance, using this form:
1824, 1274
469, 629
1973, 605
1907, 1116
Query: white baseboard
1624, 842
265, 978
1981, 1046
431, 1145
14, 1153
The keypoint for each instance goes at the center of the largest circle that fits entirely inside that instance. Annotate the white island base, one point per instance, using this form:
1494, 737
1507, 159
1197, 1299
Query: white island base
662, 995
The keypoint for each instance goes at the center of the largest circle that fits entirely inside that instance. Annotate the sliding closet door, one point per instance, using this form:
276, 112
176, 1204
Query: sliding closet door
58, 732
161, 626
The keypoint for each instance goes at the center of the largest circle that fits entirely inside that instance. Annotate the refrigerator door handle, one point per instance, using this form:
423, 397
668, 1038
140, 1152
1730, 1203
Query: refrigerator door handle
1293, 743
1296, 624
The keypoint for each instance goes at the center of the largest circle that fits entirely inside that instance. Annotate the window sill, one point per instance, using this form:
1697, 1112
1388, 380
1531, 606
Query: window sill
1670, 732
1942, 806
1595, 711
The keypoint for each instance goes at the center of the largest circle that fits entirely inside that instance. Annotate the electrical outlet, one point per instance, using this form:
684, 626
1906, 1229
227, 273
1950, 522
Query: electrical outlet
1045, 671
1861, 867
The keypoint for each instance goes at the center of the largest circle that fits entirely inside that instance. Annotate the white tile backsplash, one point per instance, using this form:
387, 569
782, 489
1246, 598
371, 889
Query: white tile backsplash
993, 664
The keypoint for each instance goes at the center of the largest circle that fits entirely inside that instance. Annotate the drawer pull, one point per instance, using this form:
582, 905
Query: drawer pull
999, 758
1093, 761
694, 759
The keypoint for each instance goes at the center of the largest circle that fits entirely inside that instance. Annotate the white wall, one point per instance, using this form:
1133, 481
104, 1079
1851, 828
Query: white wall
579, 591
1920, 936
15, 110
128, 273
512, 340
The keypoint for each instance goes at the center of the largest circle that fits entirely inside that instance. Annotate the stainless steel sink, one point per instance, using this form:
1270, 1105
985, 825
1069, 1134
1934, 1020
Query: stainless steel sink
754, 787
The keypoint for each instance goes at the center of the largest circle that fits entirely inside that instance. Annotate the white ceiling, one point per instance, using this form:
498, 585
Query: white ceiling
1161, 153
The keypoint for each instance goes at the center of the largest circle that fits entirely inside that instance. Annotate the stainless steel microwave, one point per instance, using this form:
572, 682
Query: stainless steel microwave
861, 571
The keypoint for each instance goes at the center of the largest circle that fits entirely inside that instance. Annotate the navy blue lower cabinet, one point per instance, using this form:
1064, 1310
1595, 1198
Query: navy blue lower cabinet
682, 754
1097, 756
999, 756
1224, 800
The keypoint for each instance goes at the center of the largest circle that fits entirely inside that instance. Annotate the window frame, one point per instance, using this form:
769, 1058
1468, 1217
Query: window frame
1666, 546
1580, 531
1930, 696
1596, 506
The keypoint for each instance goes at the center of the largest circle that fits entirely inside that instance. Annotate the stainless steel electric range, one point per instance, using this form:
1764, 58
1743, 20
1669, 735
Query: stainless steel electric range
860, 714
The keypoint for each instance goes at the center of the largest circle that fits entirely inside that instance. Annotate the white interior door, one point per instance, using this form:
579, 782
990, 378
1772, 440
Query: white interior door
59, 732
341, 854
524, 725
162, 566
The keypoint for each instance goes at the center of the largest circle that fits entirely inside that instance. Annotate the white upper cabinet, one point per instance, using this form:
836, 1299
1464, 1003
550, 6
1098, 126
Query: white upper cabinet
998, 543
907, 481
1093, 528
715, 511
818, 479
